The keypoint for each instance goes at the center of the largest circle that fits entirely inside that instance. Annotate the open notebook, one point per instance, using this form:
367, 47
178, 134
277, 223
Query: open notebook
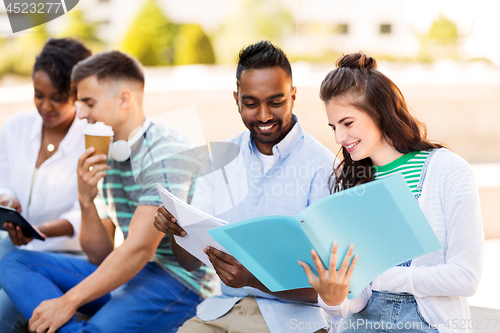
382, 219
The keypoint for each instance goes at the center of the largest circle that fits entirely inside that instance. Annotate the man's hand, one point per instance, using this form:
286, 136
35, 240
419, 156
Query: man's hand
166, 223
16, 234
235, 275
51, 314
332, 285
10, 201
230, 270
89, 174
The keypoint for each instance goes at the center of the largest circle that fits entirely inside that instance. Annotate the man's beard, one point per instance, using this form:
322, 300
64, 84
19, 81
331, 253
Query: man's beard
273, 137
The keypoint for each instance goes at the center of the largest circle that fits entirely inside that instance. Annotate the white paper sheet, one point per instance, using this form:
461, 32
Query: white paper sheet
196, 224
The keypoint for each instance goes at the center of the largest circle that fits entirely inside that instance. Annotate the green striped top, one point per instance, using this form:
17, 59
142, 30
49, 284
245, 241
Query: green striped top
162, 156
409, 165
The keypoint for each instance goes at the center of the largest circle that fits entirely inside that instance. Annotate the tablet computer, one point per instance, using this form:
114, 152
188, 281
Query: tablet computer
8, 214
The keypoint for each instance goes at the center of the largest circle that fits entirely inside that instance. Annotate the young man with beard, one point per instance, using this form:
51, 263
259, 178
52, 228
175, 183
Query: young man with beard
280, 170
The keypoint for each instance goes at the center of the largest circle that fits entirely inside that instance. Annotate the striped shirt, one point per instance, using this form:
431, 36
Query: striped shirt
409, 165
155, 159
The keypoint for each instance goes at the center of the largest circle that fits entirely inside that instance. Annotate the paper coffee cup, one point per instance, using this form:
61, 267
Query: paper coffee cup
99, 136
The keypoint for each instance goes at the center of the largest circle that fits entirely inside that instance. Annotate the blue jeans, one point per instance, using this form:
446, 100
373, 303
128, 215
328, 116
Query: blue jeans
10, 319
152, 301
388, 312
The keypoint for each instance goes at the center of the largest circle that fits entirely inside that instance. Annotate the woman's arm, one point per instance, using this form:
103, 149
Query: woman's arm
5, 190
348, 306
459, 273
67, 225
56, 228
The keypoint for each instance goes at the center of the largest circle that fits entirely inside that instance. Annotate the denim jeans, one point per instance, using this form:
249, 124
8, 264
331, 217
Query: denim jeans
387, 312
152, 301
10, 319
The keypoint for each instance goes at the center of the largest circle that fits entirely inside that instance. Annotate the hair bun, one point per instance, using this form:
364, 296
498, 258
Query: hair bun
356, 60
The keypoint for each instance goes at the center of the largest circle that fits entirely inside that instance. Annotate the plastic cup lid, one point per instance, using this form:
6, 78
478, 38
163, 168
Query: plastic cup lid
98, 129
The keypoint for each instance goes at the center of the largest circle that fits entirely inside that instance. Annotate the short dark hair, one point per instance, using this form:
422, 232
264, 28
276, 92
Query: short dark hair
57, 59
262, 54
112, 65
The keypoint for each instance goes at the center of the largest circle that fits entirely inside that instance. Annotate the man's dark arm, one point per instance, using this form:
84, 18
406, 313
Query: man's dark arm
235, 275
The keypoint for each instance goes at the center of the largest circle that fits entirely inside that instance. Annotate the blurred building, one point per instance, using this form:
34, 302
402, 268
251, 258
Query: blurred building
382, 27
388, 27
393, 27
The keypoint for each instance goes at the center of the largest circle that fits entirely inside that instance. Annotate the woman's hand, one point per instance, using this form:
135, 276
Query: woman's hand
332, 285
10, 201
16, 234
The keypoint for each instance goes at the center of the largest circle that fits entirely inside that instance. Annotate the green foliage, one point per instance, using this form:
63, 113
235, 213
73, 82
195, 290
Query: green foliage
440, 42
269, 18
255, 20
83, 30
481, 59
443, 32
17, 56
324, 57
192, 46
151, 36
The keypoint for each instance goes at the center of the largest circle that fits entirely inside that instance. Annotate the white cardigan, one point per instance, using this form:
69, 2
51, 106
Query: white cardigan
442, 280
55, 190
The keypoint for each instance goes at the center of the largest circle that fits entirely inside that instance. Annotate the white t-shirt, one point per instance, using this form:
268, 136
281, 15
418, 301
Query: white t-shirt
266, 160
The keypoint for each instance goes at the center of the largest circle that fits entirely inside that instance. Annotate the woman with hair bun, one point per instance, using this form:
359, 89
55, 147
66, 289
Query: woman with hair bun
38, 156
380, 137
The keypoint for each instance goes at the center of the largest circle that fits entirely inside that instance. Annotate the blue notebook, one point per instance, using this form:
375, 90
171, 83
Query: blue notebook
381, 218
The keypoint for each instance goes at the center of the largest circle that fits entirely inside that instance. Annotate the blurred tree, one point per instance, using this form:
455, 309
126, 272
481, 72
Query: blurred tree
441, 41
269, 18
82, 29
192, 46
3, 61
18, 54
443, 31
255, 20
150, 37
